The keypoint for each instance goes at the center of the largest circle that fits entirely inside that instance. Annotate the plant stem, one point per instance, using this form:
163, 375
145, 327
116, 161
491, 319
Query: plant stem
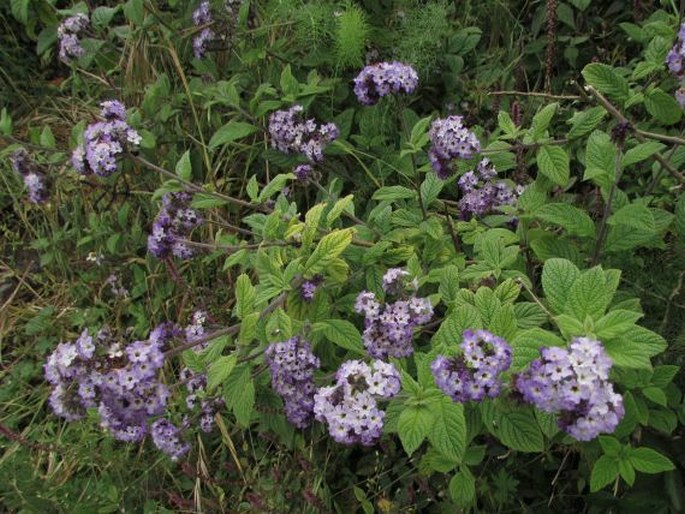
603, 227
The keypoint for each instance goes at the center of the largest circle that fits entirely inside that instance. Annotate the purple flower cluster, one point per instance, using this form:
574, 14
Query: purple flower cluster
475, 374
291, 133
34, 180
303, 172
675, 60
196, 383
309, 287
292, 366
202, 16
389, 328
483, 194
69, 32
450, 140
121, 382
174, 223
104, 141
382, 79
167, 438
350, 407
574, 383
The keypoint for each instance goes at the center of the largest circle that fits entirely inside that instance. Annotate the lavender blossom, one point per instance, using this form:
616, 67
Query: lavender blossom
175, 221
303, 172
292, 365
166, 437
382, 79
450, 140
482, 194
291, 133
675, 59
575, 385
69, 32
105, 141
350, 407
474, 374
389, 328
33, 179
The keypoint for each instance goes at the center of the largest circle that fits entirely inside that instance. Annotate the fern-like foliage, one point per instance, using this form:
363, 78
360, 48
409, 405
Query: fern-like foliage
351, 36
315, 25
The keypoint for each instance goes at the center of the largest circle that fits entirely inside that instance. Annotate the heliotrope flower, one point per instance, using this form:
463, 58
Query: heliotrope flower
350, 407
292, 365
291, 133
389, 327
68, 33
474, 374
574, 384
482, 194
105, 141
33, 178
174, 222
382, 79
450, 140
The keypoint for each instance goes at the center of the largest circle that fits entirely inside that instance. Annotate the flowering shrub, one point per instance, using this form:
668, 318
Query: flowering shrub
405, 283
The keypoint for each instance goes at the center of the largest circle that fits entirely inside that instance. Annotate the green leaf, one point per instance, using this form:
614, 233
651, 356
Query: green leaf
663, 375
541, 120
615, 323
134, 10
328, 249
574, 220
449, 335
610, 445
449, 283
515, 427
239, 394
206, 201
245, 296
505, 123
558, 275
20, 10
604, 472
102, 16
219, 370
275, 185
605, 79
413, 427
634, 215
448, 429
230, 132
342, 205
431, 188
627, 471
462, 487
600, 159
184, 167
391, 193
641, 152
252, 188
656, 395
47, 138
289, 84
664, 107
312, 220
584, 122
553, 162
341, 332
649, 461
589, 295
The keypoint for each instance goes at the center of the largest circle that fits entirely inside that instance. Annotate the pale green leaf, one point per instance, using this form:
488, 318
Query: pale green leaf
553, 162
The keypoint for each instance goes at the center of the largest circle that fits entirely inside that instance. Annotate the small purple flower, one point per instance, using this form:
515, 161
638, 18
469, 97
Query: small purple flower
575, 385
33, 178
202, 15
382, 79
474, 374
69, 32
450, 140
291, 133
175, 221
303, 172
675, 60
201, 42
350, 407
482, 194
167, 437
292, 365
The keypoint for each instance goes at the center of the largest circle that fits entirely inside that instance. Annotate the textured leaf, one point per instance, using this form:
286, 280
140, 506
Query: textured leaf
664, 107
245, 296
641, 152
615, 323
219, 370
558, 275
542, 119
239, 394
462, 487
586, 121
589, 295
600, 159
391, 193
413, 427
343, 205
604, 472
230, 132
574, 220
276, 185
515, 427
553, 162
634, 215
605, 79
448, 429
342, 333
650, 461
183, 166
329, 248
